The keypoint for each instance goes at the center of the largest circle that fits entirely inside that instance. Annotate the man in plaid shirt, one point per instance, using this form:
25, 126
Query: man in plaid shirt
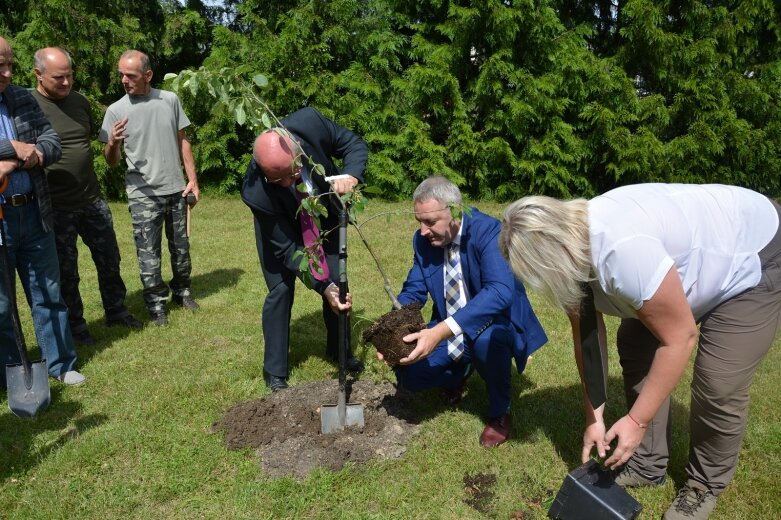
27, 144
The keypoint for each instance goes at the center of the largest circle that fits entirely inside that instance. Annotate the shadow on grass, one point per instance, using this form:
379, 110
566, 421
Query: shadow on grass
557, 413
20, 446
308, 339
203, 285
428, 403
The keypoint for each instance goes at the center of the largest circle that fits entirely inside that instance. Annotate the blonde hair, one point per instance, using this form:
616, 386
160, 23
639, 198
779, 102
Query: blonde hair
546, 243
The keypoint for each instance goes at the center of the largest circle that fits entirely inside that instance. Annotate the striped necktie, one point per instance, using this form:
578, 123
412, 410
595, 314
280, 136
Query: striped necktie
455, 345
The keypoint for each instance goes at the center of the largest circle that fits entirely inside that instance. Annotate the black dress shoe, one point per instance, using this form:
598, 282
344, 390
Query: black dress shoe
453, 396
128, 321
276, 383
354, 365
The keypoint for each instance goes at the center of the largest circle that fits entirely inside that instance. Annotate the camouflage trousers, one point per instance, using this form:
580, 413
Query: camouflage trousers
150, 215
95, 226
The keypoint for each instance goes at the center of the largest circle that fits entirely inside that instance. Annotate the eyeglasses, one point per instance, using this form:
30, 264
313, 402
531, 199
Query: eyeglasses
293, 176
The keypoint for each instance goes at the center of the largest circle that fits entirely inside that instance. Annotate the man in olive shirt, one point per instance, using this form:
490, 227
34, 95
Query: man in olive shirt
79, 206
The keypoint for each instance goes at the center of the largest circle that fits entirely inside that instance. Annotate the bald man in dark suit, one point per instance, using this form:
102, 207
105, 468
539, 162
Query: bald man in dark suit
269, 189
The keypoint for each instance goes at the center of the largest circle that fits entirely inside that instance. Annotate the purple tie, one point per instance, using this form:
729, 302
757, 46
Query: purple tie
311, 235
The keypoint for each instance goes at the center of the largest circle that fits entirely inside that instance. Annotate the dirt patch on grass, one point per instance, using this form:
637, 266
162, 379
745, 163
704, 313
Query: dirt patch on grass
285, 427
479, 490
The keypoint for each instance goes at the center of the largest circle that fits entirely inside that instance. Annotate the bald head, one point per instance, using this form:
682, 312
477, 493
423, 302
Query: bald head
276, 155
54, 71
6, 64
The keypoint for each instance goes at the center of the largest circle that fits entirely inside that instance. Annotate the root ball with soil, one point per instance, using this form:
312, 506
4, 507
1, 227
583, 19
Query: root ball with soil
387, 332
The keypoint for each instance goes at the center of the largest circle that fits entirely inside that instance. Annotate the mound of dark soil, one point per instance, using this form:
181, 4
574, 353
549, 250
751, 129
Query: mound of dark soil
387, 332
285, 427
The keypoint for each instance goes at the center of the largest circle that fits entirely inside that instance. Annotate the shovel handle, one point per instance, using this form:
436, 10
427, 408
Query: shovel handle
10, 284
344, 324
189, 201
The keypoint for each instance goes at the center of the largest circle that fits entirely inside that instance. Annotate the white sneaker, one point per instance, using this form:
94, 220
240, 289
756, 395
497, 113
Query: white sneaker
71, 377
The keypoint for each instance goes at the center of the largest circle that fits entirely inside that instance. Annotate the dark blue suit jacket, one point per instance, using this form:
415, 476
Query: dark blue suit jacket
495, 295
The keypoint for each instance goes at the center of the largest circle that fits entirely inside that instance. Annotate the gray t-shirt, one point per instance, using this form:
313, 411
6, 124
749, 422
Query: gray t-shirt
154, 162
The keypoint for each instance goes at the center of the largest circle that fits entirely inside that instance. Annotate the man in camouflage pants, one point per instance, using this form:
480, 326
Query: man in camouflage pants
149, 124
79, 206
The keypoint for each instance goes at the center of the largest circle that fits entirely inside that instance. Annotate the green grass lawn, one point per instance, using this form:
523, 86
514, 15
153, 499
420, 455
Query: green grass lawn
135, 441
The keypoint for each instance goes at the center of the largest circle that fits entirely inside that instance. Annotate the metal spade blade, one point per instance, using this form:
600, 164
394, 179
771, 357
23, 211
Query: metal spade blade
28, 388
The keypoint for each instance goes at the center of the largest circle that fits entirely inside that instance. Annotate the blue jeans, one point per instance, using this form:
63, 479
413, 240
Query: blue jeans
32, 253
491, 355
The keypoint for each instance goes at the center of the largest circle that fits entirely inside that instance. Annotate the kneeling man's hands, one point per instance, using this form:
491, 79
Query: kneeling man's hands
427, 341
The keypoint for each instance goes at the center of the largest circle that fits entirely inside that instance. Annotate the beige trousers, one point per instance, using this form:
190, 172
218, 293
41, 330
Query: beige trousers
734, 338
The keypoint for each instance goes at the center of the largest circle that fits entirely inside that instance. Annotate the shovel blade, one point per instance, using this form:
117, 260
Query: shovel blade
28, 396
332, 421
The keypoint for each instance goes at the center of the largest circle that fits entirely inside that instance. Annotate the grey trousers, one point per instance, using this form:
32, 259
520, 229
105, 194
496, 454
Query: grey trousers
734, 338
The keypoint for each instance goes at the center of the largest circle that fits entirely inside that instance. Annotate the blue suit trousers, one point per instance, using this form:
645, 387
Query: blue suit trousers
491, 355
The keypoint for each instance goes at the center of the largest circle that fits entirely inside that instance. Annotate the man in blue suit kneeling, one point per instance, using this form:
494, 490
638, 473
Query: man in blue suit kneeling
481, 317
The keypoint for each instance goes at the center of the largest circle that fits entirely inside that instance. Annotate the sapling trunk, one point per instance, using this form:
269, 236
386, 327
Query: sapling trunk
385, 280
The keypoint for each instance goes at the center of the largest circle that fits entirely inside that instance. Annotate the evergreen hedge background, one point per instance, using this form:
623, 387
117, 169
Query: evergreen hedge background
559, 97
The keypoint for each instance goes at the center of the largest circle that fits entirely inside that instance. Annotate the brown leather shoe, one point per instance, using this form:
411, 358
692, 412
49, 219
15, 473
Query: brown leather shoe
496, 431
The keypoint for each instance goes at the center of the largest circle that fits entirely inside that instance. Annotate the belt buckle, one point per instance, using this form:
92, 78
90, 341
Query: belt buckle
18, 199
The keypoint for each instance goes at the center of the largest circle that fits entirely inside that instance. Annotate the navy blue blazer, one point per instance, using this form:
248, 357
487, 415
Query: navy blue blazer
274, 207
495, 294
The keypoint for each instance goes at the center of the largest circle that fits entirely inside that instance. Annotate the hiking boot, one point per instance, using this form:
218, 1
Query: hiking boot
627, 477
159, 318
128, 321
691, 503
83, 338
187, 302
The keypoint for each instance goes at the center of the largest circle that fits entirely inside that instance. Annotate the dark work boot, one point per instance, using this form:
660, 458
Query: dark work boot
187, 302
